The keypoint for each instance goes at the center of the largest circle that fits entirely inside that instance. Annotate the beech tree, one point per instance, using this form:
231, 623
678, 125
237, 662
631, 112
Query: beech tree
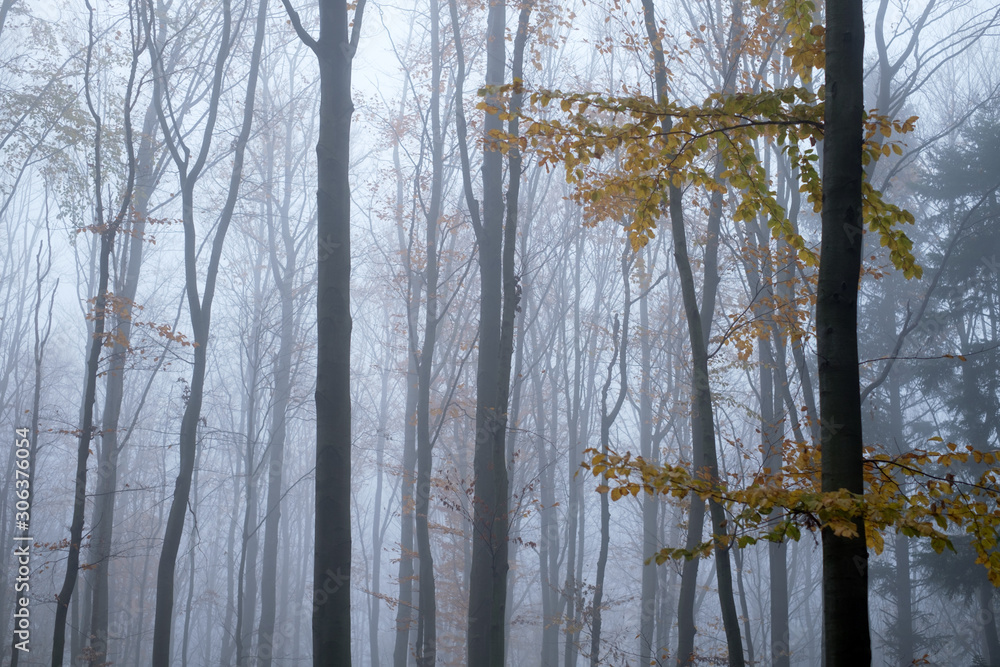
334, 50
199, 300
107, 228
846, 638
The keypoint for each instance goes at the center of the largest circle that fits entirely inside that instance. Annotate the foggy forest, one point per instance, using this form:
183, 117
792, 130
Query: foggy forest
499, 333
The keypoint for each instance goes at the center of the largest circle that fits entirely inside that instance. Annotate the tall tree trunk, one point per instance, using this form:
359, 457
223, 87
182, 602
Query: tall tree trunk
607, 421
334, 49
232, 576
489, 548
375, 602
702, 420
246, 596
427, 607
404, 609
845, 559
107, 230
498, 299
107, 470
761, 279
200, 307
284, 279
650, 503
577, 421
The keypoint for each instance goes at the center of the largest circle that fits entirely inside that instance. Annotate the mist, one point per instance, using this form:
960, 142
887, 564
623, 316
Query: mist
662, 332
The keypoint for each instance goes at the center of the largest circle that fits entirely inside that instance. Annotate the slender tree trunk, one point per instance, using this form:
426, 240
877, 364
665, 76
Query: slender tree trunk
192, 574
904, 586
772, 442
200, 307
284, 278
577, 420
607, 421
845, 559
702, 420
650, 503
232, 575
404, 610
246, 596
107, 470
738, 559
107, 230
377, 534
427, 608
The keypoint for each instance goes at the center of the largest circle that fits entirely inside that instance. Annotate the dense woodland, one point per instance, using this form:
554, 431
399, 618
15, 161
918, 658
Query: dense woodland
467, 332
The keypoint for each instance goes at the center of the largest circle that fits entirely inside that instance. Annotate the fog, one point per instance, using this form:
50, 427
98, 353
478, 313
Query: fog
464, 333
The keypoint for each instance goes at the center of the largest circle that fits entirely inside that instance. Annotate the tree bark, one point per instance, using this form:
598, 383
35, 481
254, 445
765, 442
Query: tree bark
845, 559
334, 49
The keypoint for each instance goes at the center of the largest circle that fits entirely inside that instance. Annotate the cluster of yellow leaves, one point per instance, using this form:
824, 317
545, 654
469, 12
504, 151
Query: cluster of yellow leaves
808, 48
621, 153
922, 494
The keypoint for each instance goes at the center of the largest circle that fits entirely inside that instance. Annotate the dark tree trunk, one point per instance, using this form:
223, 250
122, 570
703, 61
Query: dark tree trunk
496, 234
607, 421
334, 49
427, 605
489, 545
332, 550
107, 230
702, 420
200, 307
845, 559
192, 574
107, 470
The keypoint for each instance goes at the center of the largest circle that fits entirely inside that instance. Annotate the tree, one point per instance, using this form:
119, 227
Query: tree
334, 50
608, 417
704, 456
107, 230
846, 640
496, 234
199, 305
